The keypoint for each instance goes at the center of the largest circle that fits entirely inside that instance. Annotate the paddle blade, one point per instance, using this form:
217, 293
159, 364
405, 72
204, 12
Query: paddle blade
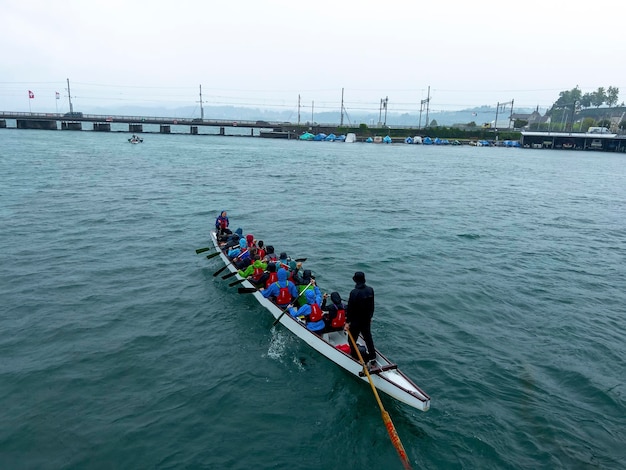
226, 276
212, 255
217, 273
202, 250
238, 281
246, 290
395, 439
300, 260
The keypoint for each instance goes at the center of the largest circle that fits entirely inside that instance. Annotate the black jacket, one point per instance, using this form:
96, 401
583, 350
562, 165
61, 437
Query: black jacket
361, 304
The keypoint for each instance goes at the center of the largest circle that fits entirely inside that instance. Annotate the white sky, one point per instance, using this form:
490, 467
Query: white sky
266, 53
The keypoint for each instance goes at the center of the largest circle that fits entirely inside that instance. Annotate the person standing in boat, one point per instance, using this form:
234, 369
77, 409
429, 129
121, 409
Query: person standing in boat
359, 315
221, 226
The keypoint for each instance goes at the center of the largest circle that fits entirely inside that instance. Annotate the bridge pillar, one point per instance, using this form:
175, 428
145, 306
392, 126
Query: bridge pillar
102, 126
3, 124
251, 132
31, 124
71, 126
222, 131
165, 129
135, 128
193, 130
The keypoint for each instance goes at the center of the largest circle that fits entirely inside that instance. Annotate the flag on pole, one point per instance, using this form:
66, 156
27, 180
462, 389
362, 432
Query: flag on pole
58, 95
31, 95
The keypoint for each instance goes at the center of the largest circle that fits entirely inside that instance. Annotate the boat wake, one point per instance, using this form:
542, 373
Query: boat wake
278, 346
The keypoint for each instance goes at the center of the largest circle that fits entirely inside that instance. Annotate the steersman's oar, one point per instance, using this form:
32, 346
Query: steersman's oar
395, 439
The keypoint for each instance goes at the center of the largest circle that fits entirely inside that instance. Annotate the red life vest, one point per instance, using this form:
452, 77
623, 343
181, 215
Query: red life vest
316, 313
257, 273
273, 277
261, 253
284, 296
339, 320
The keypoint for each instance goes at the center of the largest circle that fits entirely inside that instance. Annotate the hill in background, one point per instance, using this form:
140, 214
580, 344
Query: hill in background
478, 115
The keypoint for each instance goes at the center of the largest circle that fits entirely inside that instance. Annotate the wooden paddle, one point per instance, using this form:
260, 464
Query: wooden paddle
238, 281
212, 255
217, 273
246, 290
202, 250
395, 439
290, 305
226, 276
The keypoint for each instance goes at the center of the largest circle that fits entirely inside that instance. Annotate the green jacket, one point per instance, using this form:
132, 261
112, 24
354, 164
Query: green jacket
250, 269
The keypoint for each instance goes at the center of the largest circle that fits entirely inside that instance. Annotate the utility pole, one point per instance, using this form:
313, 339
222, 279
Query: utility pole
298, 109
201, 109
380, 112
69, 96
312, 108
503, 108
386, 101
341, 119
422, 103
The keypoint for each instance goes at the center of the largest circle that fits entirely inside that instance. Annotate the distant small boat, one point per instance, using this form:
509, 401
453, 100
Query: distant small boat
341, 138
408, 140
135, 140
386, 140
427, 141
307, 136
330, 137
369, 140
378, 139
417, 139
319, 137
351, 137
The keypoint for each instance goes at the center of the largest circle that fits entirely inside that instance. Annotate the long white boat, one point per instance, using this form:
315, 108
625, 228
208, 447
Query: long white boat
385, 375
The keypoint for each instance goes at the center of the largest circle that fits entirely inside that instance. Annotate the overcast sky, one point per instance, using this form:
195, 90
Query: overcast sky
266, 53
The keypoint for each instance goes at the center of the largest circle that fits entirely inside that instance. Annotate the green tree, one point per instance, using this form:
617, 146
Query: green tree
518, 123
433, 123
566, 98
612, 95
598, 97
587, 123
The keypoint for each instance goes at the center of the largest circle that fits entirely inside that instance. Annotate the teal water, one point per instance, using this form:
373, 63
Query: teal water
499, 278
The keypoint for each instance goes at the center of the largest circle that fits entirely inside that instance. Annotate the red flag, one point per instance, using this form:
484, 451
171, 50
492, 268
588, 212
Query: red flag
31, 95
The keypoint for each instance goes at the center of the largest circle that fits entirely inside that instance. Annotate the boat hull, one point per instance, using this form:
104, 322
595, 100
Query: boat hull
385, 375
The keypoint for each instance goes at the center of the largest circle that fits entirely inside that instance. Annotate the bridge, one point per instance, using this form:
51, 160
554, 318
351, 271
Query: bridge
75, 120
